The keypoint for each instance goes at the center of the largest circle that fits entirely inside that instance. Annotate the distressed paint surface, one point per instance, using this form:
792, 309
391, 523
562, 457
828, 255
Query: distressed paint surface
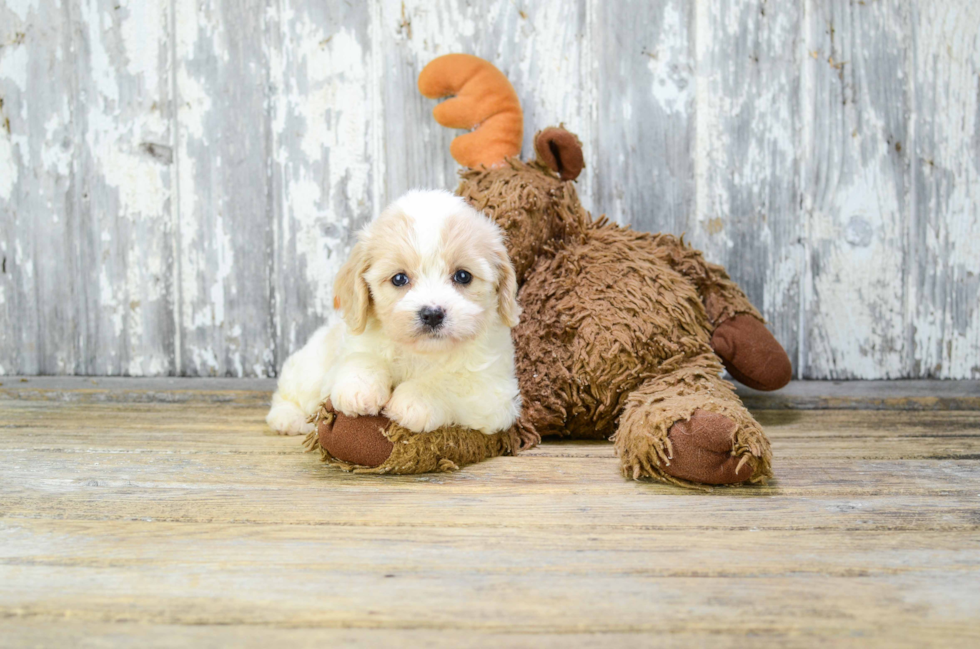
855, 190
85, 189
37, 144
123, 300
180, 180
645, 114
325, 127
225, 205
944, 278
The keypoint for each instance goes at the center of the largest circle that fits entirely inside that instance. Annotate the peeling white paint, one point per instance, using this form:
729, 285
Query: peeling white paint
13, 73
143, 18
128, 186
21, 260
9, 169
552, 77
194, 106
142, 189
110, 304
22, 8
331, 104
871, 267
225, 257
333, 108
205, 357
102, 70
13, 65
670, 64
857, 327
712, 140
944, 287
857, 311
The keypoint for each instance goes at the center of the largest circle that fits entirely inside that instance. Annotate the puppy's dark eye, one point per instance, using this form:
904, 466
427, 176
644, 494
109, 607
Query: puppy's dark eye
400, 279
462, 277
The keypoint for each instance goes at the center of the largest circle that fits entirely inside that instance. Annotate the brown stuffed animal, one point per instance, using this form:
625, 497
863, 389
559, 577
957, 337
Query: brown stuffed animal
623, 336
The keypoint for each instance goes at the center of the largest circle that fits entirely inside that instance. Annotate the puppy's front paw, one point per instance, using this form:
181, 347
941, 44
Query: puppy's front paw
410, 409
358, 394
286, 418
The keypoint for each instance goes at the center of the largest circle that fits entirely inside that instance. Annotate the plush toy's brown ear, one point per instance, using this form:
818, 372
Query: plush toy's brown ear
561, 151
351, 293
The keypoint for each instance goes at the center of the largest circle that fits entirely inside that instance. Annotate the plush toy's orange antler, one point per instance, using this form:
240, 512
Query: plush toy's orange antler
483, 99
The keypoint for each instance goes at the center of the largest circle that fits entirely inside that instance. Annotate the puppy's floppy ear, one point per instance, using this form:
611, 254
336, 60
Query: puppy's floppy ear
507, 306
351, 290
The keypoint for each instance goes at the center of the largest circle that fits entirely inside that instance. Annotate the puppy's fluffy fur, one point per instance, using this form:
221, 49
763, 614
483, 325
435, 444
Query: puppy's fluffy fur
434, 351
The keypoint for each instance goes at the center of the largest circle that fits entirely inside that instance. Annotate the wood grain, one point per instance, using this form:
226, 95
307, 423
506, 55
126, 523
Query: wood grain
225, 202
855, 192
643, 148
38, 192
156, 523
922, 395
244, 635
123, 113
944, 277
326, 125
181, 180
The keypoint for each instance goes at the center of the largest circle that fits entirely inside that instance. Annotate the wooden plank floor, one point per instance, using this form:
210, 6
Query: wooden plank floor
178, 522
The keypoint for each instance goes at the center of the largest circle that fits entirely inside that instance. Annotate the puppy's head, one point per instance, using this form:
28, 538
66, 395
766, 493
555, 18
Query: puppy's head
432, 270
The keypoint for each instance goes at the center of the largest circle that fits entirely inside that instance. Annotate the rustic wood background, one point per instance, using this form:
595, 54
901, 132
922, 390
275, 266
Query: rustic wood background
179, 179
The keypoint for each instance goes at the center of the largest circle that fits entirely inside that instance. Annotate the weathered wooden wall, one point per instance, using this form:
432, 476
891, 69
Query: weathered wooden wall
180, 179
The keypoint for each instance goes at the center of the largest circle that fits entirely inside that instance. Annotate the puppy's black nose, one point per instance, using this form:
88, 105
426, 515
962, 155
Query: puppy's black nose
432, 316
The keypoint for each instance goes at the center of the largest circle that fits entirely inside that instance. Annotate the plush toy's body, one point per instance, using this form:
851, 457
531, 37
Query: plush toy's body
623, 334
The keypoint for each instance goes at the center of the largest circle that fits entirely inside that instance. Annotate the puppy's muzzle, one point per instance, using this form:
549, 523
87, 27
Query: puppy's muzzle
432, 317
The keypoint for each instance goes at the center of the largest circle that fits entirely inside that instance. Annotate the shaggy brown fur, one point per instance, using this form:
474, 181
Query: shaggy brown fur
615, 338
446, 449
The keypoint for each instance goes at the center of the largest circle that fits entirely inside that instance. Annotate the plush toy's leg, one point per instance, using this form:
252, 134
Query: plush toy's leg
687, 427
750, 353
378, 445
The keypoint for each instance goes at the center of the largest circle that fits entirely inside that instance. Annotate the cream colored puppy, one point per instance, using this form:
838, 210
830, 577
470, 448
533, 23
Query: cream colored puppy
428, 298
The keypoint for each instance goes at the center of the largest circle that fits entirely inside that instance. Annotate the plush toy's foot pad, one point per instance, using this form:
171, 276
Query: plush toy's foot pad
379, 445
355, 440
702, 450
751, 354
